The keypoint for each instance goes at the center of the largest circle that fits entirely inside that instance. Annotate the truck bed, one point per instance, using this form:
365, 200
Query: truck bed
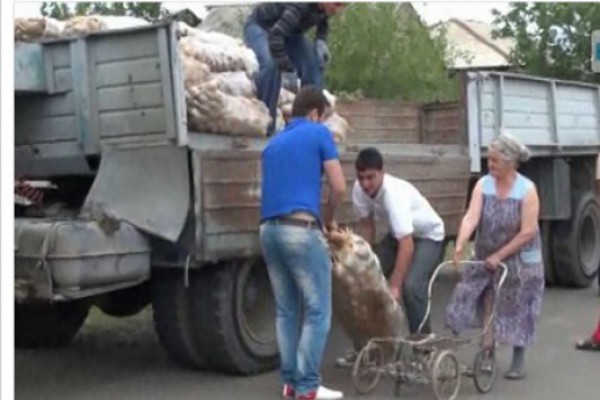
122, 92
552, 117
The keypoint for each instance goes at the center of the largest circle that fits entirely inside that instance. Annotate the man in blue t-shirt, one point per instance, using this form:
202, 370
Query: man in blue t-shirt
292, 241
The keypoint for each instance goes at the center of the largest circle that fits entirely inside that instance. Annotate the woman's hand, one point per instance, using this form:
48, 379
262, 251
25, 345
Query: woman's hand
458, 254
492, 262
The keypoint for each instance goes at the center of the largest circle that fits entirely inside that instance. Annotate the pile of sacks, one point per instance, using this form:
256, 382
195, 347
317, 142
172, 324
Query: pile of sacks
219, 90
38, 28
218, 69
362, 300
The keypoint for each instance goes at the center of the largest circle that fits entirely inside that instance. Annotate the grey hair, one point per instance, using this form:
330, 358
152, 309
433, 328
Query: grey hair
510, 148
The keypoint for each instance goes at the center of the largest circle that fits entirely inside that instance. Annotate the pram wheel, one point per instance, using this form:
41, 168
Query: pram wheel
368, 368
445, 375
484, 370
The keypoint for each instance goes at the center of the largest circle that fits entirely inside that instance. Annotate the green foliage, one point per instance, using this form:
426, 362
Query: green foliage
552, 39
61, 11
384, 51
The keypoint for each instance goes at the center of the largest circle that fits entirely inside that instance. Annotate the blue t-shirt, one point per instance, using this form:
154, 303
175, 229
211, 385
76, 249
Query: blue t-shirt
292, 166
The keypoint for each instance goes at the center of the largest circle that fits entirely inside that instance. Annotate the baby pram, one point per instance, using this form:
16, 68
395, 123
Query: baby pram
428, 358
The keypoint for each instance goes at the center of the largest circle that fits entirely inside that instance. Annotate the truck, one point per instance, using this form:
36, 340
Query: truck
144, 211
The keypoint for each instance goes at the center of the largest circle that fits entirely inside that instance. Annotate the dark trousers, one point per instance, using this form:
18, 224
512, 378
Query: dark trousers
426, 257
301, 52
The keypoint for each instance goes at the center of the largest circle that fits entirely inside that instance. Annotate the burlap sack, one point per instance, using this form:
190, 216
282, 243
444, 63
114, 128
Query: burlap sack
82, 25
339, 127
362, 300
211, 110
220, 57
33, 29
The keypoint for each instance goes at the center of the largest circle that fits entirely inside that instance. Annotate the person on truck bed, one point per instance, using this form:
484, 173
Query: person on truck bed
293, 243
276, 34
413, 247
504, 209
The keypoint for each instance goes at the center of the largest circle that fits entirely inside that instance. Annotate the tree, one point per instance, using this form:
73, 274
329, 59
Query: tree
384, 51
146, 10
552, 39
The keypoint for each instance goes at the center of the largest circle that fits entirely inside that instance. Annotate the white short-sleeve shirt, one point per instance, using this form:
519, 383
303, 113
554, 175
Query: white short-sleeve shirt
403, 206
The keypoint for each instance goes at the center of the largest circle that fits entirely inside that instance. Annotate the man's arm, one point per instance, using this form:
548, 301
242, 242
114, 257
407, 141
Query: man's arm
322, 30
401, 221
287, 23
470, 220
337, 182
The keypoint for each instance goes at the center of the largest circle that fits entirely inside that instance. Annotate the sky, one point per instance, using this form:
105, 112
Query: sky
431, 12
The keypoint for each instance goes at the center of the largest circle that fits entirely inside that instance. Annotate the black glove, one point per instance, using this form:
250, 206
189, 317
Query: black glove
322, 52
289, 81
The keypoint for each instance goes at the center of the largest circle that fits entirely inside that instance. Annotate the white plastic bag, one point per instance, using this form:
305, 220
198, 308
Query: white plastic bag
122, 21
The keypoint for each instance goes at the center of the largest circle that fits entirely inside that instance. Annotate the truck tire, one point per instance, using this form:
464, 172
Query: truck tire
44, 325
224, 320
125, 302
235, 317
173, 317
577, 244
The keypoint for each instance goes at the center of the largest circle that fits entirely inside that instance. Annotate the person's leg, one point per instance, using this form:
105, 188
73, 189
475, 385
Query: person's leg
310, 261
592, 343
596, 334
287, 297
303, 54
268, 81
426, 257
387, 250
517, 365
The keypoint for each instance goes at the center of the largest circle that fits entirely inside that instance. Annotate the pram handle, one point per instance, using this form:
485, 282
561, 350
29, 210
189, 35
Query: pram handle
434, 276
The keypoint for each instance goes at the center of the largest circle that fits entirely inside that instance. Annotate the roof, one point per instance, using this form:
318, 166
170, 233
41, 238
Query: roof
473, 46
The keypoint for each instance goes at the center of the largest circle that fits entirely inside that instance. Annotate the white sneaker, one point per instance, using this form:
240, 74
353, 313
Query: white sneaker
327, 394
321, 394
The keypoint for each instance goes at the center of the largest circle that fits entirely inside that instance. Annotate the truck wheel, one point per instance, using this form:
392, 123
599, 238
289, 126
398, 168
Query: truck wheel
125, 302
173, 317
235, 317
577, 244
39, 325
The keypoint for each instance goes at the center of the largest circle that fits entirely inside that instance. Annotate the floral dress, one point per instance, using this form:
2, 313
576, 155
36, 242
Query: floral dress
518, 302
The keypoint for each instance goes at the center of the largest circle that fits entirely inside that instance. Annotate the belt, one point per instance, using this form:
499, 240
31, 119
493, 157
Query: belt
294, 222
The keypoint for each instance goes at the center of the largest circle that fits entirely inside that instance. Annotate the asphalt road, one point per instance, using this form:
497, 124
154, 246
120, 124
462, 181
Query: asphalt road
122, 359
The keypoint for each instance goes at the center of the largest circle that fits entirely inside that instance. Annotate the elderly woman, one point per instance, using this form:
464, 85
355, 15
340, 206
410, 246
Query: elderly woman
504, 209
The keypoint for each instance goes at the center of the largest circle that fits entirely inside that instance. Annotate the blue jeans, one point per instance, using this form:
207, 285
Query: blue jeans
301, 52
299, 267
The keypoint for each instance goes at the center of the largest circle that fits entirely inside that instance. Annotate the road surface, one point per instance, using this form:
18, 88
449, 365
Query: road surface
122, 359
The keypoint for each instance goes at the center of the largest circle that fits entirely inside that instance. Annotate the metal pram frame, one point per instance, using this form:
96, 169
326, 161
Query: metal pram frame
428, 358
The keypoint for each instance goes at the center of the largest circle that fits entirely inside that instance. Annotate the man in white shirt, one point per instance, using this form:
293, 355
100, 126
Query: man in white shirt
413, 248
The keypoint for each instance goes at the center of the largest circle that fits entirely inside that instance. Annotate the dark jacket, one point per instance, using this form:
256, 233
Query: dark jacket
282, 20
